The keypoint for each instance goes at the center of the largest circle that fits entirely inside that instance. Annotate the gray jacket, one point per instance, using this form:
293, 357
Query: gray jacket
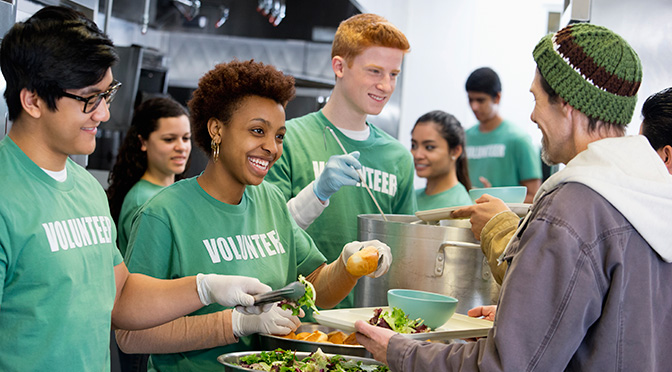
585, 290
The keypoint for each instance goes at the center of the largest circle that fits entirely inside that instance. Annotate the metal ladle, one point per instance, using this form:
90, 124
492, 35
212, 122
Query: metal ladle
361, 177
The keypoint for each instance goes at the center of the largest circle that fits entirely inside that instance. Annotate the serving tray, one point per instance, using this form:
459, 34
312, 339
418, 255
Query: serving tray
458, 326
444, 213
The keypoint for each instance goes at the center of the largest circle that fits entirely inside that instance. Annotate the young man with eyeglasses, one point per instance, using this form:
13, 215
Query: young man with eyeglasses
64, 281
91, 102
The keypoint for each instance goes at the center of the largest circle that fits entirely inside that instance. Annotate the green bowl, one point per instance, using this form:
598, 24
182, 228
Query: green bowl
434, 308
508, 194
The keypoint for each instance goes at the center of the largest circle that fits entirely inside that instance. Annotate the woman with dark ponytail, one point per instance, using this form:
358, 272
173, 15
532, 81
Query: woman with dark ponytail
437, 145
154, 155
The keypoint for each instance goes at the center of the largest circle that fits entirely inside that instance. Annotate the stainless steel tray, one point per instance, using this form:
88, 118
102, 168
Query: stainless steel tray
271, 342
231, 360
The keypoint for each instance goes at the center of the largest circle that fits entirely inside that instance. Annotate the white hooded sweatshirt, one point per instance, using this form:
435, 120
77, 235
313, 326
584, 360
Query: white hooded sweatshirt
628, 173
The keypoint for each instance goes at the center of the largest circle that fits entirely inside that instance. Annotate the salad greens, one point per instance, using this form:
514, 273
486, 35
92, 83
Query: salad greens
398, 321
281, 360
308, 299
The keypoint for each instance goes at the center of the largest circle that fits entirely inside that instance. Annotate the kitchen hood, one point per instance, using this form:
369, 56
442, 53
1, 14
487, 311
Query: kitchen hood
310, 20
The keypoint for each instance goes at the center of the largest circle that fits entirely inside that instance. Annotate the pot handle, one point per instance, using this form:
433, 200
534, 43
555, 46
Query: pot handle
441, 254
451, 243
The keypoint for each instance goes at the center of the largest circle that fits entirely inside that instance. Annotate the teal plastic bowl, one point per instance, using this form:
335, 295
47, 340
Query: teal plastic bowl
434, 308
508, 194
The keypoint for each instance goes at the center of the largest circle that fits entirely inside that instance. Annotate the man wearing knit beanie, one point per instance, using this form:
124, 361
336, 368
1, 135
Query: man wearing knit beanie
590, 263
592, 70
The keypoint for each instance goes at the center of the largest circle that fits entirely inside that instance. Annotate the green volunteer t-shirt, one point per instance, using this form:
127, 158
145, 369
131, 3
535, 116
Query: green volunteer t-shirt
386, 164
137, 196
453, 197
505, 156
183, 231
57, 258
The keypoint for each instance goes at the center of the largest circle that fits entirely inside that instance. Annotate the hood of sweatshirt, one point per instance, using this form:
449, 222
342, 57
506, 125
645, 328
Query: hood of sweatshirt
631, 176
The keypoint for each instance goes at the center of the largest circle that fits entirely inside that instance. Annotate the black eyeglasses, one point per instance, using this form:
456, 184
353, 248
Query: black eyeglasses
91, 103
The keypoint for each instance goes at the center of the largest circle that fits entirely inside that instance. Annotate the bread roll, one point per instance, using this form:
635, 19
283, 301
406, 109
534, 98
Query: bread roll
317, 336
302, 335
363, 262
291, 335
351, 339
336, 337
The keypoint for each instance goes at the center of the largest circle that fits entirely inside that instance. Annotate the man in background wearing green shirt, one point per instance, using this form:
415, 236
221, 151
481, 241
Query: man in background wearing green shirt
499, 153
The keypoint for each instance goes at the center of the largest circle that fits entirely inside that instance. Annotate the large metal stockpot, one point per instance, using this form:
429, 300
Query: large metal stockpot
435, 258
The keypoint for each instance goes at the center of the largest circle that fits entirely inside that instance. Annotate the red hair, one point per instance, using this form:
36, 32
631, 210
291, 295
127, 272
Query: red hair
366, 30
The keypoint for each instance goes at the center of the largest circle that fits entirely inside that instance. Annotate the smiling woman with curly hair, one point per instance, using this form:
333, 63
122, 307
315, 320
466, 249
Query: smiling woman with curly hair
228, 220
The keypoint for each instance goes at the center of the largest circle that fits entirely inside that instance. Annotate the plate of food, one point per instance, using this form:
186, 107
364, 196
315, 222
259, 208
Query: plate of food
278, 359
458, 326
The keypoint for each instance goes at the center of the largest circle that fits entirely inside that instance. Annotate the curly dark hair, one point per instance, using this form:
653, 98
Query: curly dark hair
221, 90
132, 161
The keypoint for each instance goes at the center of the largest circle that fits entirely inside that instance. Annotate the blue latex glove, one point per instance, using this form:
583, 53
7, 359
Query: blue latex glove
339, 171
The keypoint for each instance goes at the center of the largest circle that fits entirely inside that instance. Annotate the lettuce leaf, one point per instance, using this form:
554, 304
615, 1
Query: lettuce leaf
307, 300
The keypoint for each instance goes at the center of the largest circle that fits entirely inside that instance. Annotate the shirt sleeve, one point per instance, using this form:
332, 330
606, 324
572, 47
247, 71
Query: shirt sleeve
495, 236
305, 207
308, 257
183, 334
147, 234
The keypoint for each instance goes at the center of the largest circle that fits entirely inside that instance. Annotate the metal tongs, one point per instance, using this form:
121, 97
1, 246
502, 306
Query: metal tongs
292, 292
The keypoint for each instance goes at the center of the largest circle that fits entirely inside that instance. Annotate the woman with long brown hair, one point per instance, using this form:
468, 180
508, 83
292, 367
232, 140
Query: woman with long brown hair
437, 145
154, 155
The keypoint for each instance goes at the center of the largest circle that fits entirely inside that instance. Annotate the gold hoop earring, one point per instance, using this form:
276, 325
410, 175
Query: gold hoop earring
215, 150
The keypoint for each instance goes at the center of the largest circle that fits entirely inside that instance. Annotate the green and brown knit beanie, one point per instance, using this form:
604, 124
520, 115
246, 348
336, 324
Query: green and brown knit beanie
592, 69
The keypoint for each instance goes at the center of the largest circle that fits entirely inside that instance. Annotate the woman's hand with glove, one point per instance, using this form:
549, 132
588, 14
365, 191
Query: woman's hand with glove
339, 171
232, 290
365, 263
274, 322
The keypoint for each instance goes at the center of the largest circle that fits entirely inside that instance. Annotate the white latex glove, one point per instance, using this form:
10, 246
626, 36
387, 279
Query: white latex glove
232, 290
384, 255
274, 322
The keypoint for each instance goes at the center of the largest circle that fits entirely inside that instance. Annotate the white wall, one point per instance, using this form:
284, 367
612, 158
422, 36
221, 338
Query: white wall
451, 38
646, 25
